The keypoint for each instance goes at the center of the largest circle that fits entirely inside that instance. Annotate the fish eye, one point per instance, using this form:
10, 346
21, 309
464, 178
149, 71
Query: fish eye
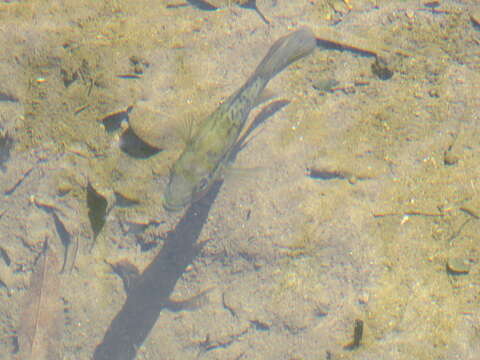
203, 184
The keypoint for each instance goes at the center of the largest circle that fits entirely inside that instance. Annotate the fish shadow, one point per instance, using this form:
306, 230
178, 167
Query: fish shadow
150, 293
202, 5
266, 112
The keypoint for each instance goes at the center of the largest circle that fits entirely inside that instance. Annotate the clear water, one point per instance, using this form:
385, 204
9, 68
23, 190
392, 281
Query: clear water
355, 201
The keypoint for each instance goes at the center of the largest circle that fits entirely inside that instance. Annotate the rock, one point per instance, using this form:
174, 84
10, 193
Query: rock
152, 127
458, 266
449, 157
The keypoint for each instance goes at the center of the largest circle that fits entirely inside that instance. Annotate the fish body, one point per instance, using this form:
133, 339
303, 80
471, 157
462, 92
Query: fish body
206, 154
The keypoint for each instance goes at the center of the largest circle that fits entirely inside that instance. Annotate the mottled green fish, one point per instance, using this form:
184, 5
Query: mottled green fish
207, 153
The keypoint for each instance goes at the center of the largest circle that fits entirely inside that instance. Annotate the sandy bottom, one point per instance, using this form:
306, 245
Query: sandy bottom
355, 201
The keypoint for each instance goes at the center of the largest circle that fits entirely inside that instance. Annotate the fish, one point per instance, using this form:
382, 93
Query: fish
207, 153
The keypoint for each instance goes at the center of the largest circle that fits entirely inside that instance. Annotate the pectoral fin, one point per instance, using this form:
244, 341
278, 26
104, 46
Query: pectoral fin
193, 303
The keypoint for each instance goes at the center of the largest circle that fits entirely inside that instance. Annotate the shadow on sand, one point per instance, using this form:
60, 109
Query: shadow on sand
150, 293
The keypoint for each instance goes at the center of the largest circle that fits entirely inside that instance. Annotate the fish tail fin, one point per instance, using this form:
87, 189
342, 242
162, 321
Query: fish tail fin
285, 51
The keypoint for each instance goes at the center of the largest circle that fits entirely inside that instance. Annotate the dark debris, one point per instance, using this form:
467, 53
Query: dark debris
97, 210
6, 145
357, 336
381, 68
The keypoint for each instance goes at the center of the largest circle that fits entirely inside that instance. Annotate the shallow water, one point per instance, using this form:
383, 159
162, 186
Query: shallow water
274, 263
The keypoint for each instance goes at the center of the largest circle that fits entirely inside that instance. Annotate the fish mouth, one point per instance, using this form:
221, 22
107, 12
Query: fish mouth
172, 207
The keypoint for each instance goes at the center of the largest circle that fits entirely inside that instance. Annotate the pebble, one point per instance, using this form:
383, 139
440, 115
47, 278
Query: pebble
154, 129
458, 266
450, 158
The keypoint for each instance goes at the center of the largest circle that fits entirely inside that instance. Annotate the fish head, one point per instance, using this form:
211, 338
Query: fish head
189, 181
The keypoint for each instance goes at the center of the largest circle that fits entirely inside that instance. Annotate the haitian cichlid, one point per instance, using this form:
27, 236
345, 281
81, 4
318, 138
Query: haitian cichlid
206, 154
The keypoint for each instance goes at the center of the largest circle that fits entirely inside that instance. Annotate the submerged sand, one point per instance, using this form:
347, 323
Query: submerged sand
290, 261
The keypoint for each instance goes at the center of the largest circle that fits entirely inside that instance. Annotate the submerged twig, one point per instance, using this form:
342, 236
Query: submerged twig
39, 332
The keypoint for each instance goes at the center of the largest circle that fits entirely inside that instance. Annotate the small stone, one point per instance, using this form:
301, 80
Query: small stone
434, 93
325, 85
458, 266
352, 180
449, 158
64, 188
153, 128
381, 68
